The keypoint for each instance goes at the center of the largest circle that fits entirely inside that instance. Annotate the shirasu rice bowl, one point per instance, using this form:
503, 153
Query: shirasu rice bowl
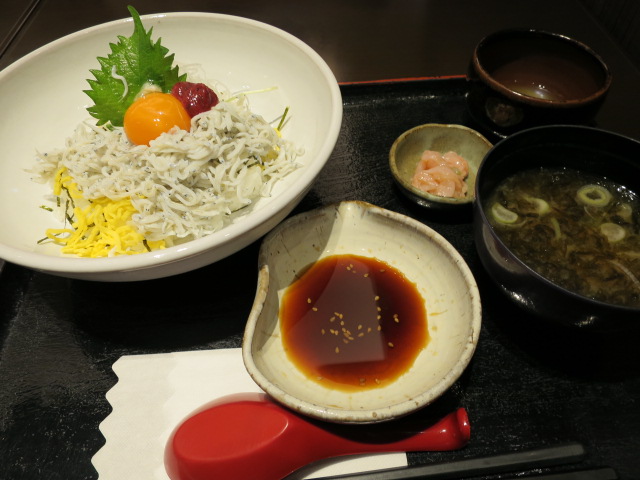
183, 186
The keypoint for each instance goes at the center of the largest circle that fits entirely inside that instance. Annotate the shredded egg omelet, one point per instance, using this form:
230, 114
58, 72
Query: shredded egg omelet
100, 229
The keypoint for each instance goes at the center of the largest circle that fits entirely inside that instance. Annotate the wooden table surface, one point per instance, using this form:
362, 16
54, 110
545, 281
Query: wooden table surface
48, 424
14, 15
364, 40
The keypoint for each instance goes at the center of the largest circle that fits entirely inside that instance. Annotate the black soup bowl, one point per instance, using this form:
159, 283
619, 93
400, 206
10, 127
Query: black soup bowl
608, 156
522, 78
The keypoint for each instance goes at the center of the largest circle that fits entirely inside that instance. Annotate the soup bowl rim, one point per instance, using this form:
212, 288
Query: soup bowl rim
494, 84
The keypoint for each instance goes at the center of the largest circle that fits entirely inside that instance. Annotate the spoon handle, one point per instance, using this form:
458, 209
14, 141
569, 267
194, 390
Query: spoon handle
450, 433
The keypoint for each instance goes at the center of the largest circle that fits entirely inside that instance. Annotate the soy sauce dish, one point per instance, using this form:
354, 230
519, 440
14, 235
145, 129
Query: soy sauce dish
557, 225
361, 315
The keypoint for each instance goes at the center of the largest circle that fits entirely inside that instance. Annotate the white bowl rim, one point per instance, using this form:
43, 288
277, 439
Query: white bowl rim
72, 265
389, 412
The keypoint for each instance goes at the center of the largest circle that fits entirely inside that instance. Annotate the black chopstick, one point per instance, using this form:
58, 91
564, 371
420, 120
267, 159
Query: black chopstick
507, 462
601, 473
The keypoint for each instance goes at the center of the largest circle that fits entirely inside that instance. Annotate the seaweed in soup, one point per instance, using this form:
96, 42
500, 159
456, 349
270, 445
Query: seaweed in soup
578, 230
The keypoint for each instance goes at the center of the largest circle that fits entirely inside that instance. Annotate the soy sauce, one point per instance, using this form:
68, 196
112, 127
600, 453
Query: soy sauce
352, 322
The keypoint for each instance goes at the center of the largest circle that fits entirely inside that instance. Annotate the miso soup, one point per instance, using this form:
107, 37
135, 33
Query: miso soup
580, 231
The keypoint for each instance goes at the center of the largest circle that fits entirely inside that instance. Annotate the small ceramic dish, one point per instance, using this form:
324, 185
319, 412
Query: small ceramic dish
439, 273
407, 150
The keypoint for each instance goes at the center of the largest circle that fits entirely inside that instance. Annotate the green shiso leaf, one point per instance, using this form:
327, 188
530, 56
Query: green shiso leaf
137, 60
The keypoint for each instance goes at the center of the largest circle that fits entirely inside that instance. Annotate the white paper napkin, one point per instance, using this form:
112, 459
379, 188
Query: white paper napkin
155, 393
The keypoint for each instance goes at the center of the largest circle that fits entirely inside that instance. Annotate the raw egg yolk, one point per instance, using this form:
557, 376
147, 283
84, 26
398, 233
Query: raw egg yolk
152, 115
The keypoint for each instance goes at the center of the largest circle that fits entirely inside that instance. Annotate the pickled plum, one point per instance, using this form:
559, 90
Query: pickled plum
195, 97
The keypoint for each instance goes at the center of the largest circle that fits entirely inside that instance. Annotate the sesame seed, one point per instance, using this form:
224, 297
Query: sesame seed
308, 300
390, 344
377, 298
323, 332
379, 327
359, 327
337, 349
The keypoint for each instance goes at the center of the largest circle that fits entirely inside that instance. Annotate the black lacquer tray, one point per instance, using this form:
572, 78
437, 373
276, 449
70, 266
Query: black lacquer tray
528, 385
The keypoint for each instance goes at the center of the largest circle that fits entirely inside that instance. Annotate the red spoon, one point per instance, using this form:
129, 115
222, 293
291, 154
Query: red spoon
249, 437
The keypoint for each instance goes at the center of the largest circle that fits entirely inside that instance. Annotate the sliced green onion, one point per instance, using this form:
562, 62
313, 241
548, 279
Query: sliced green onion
613, 232
593, 195
625, 211
541, 206
632, 278
284, 115
250, 92
557, 233
503, 215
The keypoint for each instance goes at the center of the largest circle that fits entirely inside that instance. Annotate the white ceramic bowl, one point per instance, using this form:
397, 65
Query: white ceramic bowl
44, 102
443, 280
